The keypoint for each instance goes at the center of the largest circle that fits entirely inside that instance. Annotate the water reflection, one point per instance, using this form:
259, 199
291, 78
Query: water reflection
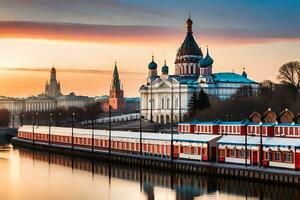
56, 176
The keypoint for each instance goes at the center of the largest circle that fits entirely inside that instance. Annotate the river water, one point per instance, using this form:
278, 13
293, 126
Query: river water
32, 175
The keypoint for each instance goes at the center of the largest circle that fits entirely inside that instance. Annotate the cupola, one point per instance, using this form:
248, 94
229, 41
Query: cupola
207, 60
165, 69
152, 65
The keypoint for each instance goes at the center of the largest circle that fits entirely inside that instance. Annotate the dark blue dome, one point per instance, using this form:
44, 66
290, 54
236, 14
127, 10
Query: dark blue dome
152, 65
165, 69
206, 61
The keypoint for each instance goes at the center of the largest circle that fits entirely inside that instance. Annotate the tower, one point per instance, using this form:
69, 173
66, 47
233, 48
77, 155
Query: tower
116, 93
189, 54
52, 89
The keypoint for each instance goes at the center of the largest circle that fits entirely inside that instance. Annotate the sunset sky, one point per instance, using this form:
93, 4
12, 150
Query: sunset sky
83, 38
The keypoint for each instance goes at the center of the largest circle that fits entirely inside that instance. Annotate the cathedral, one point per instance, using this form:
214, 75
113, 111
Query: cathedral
193, 72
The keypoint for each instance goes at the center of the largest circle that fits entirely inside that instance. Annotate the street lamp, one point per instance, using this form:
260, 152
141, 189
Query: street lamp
246, 149
109, 133
32, 121
261, 143
172, 97
59, 118
73, 115
179, 101
141, 142
151, 117
49, 140
37, 118
22, 119
93, 136
13, 121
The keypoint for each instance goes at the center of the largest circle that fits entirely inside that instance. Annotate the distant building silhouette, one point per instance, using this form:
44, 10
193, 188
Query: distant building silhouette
52, 89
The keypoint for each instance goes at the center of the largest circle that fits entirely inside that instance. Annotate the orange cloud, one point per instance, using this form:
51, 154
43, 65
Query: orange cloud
85, 32
140, 34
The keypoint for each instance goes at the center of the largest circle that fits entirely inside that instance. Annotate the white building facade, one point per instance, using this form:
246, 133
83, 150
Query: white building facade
193, 72
72, 100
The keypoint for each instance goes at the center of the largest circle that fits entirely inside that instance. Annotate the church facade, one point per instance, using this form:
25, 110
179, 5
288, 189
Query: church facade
193, 72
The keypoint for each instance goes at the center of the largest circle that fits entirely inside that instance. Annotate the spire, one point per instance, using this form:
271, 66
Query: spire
189, 24
207, 53
116, 79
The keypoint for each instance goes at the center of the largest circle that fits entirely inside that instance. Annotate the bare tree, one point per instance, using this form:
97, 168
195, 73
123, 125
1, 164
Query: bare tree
289, 74
266, 88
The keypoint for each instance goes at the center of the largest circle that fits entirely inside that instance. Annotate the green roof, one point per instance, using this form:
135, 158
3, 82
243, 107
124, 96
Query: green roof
230, 77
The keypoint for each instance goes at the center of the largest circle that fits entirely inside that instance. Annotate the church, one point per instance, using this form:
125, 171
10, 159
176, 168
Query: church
193, 72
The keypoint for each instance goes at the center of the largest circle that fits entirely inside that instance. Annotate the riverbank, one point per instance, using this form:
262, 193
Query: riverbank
208, 168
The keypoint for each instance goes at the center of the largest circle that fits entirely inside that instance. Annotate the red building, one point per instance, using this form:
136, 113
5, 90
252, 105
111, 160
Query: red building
272, 140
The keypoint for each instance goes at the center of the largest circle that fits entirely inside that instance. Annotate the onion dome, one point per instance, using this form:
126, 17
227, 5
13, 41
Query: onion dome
244, 74
189, 47
152, 65
207, 60
165, 69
